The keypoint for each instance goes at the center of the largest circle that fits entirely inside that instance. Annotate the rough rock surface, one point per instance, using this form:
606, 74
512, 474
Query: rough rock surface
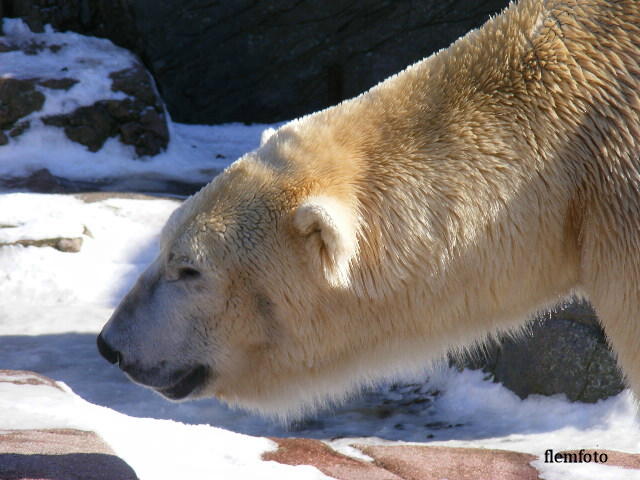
59, 454
68, 245
436, 463
55, 453
137, 121
416, 462
18, 98
264, 61
302, 451
563, 352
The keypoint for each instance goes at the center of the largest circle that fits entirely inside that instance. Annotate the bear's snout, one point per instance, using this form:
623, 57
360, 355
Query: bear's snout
172, 383
109, 354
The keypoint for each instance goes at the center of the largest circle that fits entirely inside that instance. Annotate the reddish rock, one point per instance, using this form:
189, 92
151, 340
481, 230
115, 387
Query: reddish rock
55, 454
409, 462
302, 451
59, 454
23, 377
435, 463
615, 459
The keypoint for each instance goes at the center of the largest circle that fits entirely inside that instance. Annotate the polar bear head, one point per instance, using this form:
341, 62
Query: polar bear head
247, 299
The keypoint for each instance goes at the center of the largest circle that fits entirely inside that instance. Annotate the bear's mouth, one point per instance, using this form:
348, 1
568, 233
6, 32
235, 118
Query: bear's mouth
186, 385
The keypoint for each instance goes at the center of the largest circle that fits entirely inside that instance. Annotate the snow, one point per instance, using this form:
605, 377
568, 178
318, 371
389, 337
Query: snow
53, 304
195, 451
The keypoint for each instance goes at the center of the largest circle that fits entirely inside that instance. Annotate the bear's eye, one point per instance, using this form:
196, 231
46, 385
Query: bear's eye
188, 273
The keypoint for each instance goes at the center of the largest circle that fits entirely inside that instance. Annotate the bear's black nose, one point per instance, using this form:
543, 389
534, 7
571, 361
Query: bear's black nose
111, 355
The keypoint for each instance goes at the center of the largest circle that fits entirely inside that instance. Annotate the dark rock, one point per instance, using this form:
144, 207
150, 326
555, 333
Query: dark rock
134, 122
271, 61
89, 126
264, 61
59, 83
6, 47
40, 181
135, 82
138, 121
18, 98
563, 352
103, 18
33, 48
19, 129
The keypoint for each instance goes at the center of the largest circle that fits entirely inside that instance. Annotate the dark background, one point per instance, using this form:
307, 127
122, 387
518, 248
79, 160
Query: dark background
263, 60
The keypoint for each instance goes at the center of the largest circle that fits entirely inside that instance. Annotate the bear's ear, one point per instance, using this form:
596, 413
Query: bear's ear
330, 228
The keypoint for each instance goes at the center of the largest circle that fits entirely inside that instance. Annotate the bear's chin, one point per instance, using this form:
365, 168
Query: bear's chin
188, 386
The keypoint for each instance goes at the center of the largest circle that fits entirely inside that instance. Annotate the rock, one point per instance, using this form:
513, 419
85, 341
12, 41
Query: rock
138, 120
67, 245
23, 377
41, 181
59, 83
19, 129
65, 454
55, 453
422, 462
436, 463
302, 451
136, 83
104, 18
264, 61
18, 98
564, 352
90, 126
616, 459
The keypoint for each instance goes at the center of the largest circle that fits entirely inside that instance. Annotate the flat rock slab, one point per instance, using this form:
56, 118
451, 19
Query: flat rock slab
435, 463
616, 459
59, 454
413, 462
302, 451
55, 454
406, 462
24, 377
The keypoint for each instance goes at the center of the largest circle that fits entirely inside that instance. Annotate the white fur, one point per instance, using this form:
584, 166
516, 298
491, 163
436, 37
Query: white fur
335, 226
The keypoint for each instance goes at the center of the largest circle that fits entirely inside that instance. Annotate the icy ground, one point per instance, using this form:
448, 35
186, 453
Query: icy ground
52, 305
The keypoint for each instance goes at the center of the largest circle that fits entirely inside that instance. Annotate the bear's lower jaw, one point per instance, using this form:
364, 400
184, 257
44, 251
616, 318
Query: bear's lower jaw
186, 385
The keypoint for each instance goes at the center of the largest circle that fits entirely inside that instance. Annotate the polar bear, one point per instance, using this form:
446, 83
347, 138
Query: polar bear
448, 203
